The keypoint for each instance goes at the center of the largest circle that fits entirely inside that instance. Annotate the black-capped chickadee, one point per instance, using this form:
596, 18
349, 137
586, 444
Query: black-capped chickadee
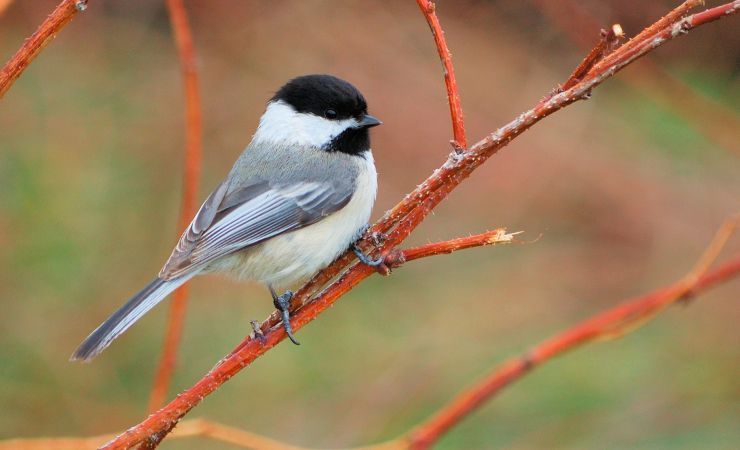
298, 196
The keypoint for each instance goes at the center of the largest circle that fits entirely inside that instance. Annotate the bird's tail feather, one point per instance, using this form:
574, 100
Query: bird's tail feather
127, 315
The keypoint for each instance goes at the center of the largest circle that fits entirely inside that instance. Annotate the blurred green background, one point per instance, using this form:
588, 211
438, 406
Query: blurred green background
626, 190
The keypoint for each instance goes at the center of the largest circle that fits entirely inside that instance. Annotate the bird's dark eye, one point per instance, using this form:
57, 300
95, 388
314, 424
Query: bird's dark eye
330, 114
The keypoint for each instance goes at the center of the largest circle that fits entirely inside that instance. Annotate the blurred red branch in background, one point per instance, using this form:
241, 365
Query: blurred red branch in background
428, 8
194, 428
4, 5
62, 14
192, 163
395, 226
614, 322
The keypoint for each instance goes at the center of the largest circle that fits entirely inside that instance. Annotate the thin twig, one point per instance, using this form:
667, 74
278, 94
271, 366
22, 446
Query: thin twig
192, 164
460, 141
616, 321
396, 258
395, 226
607, 43
62, 14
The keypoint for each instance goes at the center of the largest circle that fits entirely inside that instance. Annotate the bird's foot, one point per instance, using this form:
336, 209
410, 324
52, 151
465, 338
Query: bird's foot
282, 303
365, 259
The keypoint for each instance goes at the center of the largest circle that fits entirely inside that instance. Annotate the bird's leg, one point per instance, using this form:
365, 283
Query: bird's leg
282, 303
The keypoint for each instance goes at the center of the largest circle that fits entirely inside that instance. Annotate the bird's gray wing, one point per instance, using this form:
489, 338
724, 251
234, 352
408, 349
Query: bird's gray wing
228, 222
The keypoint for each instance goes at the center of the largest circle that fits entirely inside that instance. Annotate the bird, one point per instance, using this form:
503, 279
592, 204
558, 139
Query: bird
298, 196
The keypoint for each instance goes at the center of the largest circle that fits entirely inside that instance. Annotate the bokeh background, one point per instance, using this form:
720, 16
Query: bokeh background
625, 189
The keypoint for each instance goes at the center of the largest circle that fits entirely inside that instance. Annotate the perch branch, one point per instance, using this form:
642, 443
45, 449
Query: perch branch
62, 14
428, 8
192, 164
394, 227
614, 322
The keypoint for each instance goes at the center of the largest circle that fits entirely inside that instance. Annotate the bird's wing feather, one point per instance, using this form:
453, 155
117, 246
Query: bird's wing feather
249, 215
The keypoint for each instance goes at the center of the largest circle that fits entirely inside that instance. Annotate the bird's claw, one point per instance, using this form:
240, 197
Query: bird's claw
365, 259
282, 303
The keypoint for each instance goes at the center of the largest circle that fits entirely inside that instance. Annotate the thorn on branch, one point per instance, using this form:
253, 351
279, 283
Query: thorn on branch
257, 332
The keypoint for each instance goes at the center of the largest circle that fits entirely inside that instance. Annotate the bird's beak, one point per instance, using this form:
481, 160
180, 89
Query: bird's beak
368, 121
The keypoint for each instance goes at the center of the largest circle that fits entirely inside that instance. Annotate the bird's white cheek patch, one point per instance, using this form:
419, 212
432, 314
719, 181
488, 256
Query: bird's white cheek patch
281, 124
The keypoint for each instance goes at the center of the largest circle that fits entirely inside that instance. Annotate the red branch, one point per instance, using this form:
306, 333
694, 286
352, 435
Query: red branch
428, 8
672, 17
396, 258
62, 14
192, 163
606, 324
398, 224
609, 40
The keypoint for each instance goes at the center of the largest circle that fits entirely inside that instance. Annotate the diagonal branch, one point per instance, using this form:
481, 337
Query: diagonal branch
428, 8
615, 322
192, 163
62, 14
396, 225
397, 258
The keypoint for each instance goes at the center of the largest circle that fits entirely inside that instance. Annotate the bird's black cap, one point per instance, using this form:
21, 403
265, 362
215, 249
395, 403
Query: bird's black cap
323, 95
